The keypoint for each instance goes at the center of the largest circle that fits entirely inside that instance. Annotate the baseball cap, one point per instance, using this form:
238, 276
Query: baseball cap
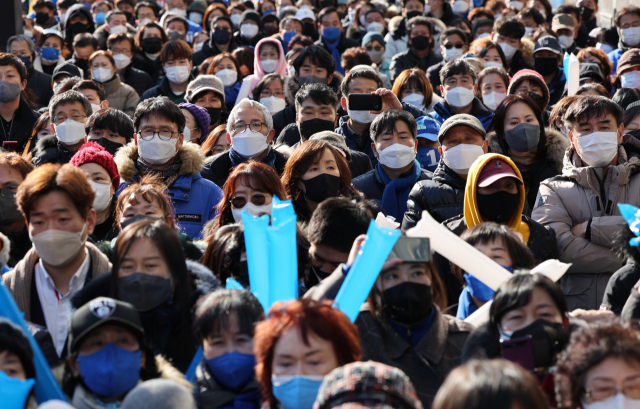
305, 12
591, 71
99, 311
495, 170
428, 128
68, 69
561, 21
204, 83
461, 120
630, 59
53, 31
548, 43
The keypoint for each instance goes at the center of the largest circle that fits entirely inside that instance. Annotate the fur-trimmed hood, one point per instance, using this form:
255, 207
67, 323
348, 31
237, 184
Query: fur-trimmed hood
526, 48
556, 145
48, 142
292, 86
127, 156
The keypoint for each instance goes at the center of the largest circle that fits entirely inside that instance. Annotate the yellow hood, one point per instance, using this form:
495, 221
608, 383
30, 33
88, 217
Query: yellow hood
472, 216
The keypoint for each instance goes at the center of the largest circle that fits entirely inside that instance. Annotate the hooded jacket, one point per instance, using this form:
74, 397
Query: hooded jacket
193, 197
210, 49
250, 81
584, 193
549, 167
218, 168
121, 96
142, 62
243, 41
442, 111
50, 150
23, 121
77, 10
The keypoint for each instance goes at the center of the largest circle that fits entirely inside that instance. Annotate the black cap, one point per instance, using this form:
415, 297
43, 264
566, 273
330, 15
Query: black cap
68, 69
102, 310
592, 71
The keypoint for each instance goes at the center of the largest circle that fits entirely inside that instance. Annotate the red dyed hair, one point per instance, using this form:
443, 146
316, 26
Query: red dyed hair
317, 317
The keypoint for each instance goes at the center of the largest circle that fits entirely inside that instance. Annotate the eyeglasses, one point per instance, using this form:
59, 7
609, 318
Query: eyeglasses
374, 48
450, 46
265, 93
239, 202
602, 392
255, 127
163, 135
58, 120
120, 51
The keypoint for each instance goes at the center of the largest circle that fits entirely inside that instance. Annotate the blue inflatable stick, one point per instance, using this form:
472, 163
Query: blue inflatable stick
14, 392
255, 242
283, 257
233, 284
364, 271
191, 371
47, 387
631, 215
565, 63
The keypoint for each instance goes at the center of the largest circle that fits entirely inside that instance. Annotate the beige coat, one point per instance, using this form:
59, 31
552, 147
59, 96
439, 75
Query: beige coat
121, 96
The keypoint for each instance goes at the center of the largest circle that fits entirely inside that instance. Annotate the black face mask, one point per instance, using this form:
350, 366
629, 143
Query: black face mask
214, 114
322, 187
586, 13
407, 303
325, 4
315, 125
269, 30
309, 29
546, 66
221, 36
547, 338
498, 207
78, 28
523, 138
42, 18
135, 218
9, 212
82, 63
128, 15
109, 146
635, 134
420, 43
144, 291
152, 45
412, 14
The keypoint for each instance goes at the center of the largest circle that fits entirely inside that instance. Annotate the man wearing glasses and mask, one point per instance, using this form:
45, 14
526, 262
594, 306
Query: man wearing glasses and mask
250, 132
159, 149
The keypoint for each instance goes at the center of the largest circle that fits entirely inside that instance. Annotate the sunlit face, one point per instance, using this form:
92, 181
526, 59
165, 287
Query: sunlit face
96, 134
326, 259
541, 306
56, 210
222, 144
310, 110
150, 32
293, 357
117, 20
242, 190
53, 41
229, 340
268, 52
11, 365
101, 62
514, 42
400, 134
326, 164
139, 205
458, 80
97, 174
634, 125
414, 5
192, 125
144, 257
405, 272
611, 375
307, 68
483, 29
517, 114
507, 184
606, 123
177, 25
493, 83
529, 86
629, 20
492, 55
20, 48
462, 135
496, 250
208, 99
225, 64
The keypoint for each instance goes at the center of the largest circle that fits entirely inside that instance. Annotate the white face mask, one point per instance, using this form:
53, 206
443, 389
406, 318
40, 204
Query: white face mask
117, 29
397, 156
28, 33
376, 56
362, 20
269, 65
460, 6
198, 47
427, 9
631, 79
631, 36
235, 19
195, 17
461, 157
517, 4
292, 71
452, 53
101, 74
352, 14
95, 107
617, 401
604, 47
483, 35
188, 135
375, 26
180, 12
156, 151
249, 143
70, 132
459, 97
252, 209
488, 64
414, 99
565, 41
178, 74
362, 117
493, 99
227, 76
58, 247
597, 149
122, 61
528, 32
103, 195
273, 104
249, 30
144, 21
508, 50
497, 16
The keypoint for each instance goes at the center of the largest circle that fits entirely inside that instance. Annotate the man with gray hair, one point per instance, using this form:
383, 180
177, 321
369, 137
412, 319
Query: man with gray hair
40, 83
68, 112
250, 133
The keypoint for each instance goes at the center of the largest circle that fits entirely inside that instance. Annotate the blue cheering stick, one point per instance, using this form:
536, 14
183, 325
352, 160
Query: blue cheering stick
631, 215
364, 271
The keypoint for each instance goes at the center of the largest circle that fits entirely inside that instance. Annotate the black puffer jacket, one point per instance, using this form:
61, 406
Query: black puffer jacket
49, 150
372, 186
442, 197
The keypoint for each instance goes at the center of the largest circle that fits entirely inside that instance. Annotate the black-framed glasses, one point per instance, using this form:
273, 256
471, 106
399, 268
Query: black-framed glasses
58, 120
163, 135
450, 46
601, 392
255, 127
257, 199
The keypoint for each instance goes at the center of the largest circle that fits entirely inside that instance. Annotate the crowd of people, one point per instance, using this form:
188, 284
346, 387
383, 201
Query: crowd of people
137, 135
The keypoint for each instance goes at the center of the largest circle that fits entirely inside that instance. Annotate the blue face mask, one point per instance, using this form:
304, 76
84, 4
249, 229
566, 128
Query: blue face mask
50, 53
233, 370
288, 36
111, 371
331, 33
26, 60
99, 18
14, 392
428, 157
296, 392
478, 289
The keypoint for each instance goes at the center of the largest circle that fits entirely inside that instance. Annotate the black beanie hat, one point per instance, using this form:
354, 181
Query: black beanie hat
13, 340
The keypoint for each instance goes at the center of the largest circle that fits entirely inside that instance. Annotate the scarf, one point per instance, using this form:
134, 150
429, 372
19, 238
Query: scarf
213, 395
168, 174
236, 159
333, 49
525, 161
396, 191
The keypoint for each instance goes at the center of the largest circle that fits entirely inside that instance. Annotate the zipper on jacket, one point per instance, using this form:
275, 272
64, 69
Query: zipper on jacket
603, 193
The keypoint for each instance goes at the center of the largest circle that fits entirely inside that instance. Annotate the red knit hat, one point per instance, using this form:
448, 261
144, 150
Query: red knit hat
530, 75
91, 152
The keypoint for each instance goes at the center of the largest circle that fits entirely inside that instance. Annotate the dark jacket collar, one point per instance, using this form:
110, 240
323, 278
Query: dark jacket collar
445, 175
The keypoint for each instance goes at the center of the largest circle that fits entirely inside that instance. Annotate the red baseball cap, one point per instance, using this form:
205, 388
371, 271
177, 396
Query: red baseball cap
495, 170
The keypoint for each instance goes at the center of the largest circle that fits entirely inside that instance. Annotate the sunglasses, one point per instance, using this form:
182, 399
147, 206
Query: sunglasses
239, 202
450, 46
